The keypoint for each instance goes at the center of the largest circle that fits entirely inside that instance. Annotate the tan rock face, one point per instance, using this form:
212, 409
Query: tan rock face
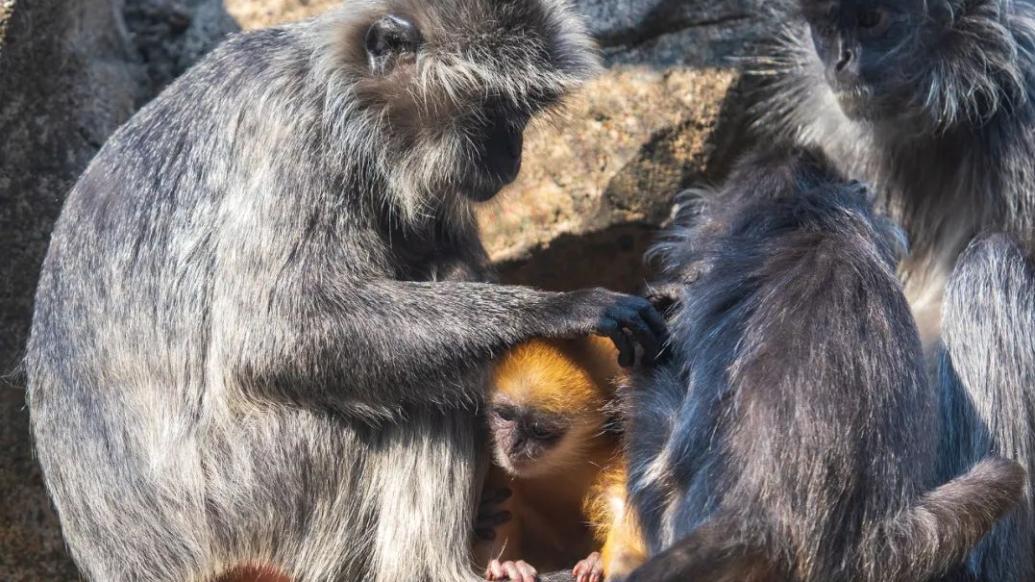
252, 14
626, 144
6, 9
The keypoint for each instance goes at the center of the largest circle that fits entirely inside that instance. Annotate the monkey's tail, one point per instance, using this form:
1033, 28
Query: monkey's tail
709, 554
926, 540
937, 533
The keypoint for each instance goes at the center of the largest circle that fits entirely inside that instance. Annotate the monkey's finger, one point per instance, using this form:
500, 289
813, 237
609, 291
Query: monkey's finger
586, 569
643, 336
495, 571
512, 572
635, 327
493, 519
528, 573
626, 349
496, 496
655, 321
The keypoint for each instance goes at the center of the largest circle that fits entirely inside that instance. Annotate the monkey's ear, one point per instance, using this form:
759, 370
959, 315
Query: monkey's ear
388, 38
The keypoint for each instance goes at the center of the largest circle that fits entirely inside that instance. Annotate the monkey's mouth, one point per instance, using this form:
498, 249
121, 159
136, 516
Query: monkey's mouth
856, 101
524, 464
486, 187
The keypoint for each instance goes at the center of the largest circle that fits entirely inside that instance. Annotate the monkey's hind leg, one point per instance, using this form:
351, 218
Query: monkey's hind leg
615, 527
987, 377
424, 475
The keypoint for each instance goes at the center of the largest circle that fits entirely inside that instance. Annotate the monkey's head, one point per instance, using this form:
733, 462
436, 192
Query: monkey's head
548, 403
921, 65
446, 88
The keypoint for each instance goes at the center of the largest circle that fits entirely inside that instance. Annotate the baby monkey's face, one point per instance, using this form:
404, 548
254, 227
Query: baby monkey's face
526, 439
547, 404
531, 442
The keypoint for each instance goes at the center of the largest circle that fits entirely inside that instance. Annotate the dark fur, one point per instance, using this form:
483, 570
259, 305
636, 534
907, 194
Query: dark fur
948, 140
261, 330
794, 434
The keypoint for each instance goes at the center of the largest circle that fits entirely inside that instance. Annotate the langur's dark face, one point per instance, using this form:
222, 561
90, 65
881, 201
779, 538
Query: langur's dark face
864, 45
498, 136
454, 85
492, 129
525, 439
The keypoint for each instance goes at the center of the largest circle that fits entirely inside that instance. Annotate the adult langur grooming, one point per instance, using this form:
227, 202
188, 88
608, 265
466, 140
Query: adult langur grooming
262, 329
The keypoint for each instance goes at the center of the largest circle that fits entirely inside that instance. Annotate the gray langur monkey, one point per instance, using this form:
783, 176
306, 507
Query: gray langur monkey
933, 102
262, 327
792, 434
930, 101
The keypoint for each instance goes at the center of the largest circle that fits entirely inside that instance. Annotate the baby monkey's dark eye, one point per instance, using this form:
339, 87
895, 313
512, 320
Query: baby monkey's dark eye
505, 413
389, 37
542, 432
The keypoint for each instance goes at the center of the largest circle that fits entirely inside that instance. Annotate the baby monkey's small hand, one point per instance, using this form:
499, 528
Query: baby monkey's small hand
589, 570
518, 571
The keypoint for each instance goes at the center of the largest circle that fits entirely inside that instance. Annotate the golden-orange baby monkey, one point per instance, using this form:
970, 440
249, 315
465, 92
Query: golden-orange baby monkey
557, 449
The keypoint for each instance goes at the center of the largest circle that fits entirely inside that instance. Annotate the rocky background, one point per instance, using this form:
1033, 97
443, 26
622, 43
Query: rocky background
597, 183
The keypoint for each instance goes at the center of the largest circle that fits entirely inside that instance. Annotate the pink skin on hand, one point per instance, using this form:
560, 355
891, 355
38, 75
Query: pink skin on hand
589, 570
518, 571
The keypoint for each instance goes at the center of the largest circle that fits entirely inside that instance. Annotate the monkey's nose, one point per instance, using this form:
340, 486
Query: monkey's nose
847, 56
504, 154
846, 69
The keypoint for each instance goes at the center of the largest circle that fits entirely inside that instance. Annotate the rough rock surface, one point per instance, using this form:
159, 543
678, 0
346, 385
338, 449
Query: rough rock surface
663, 117
597, 180
66, 82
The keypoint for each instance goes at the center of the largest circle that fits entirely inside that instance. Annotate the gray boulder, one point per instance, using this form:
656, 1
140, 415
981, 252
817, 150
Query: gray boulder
70, 73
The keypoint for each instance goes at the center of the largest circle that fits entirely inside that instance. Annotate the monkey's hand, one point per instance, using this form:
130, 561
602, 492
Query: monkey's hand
589, 570
491, 514
626, 319
518, 571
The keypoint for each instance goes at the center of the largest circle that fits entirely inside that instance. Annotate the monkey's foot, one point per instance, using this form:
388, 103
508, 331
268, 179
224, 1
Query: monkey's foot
518, 571
589, 570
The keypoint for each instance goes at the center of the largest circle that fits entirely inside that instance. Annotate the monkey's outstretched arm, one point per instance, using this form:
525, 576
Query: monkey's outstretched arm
387, 342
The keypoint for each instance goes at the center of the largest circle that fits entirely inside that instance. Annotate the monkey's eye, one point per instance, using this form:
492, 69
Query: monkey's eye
872, 21
544, 433
505, 413
389, 38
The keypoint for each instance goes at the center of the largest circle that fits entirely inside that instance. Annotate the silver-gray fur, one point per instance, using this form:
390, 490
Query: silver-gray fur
933, 102
793, 433
262, 326
988, 323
